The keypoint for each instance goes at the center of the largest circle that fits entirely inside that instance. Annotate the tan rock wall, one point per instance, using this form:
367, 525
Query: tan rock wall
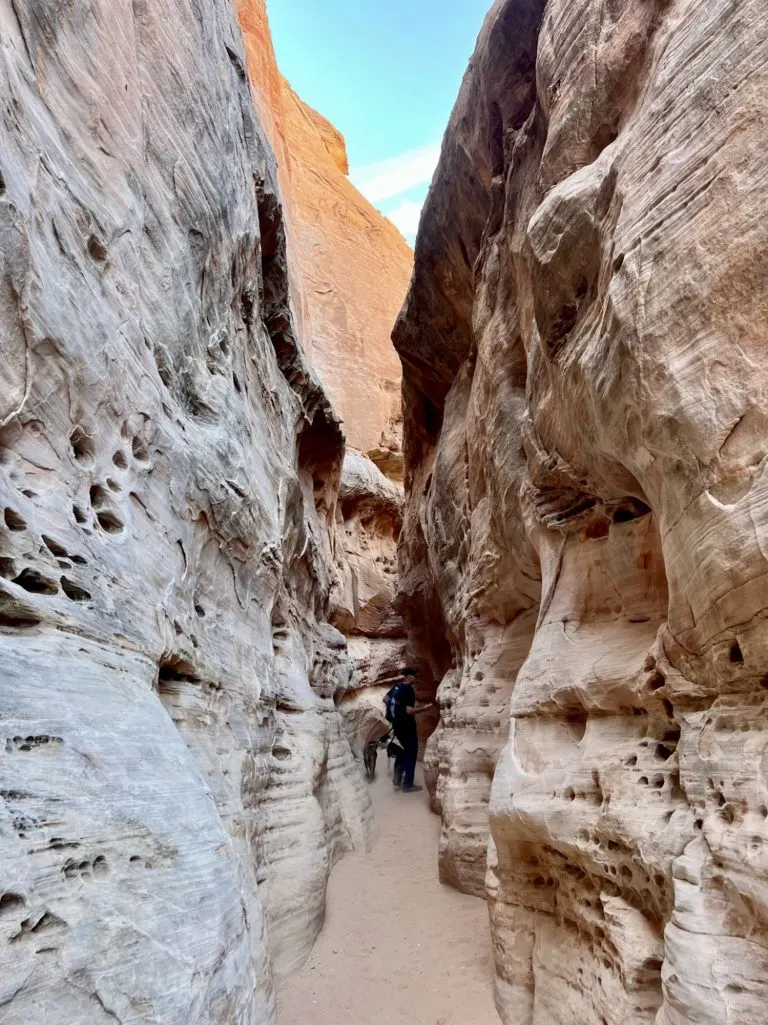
175, 779
349, 269
355, 266
584, 526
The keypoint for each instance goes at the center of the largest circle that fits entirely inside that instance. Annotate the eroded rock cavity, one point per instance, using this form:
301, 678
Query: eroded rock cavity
584, 546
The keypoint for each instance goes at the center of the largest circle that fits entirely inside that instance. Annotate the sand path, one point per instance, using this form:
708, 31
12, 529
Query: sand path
397, 947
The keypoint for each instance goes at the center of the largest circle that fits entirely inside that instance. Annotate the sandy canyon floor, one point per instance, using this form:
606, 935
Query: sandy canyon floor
396, 946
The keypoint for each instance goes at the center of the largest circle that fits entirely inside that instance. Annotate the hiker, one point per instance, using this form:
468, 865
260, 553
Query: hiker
401, 712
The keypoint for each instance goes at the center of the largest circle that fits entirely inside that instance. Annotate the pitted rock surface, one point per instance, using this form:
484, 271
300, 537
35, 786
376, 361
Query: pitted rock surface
583, 552
175, 778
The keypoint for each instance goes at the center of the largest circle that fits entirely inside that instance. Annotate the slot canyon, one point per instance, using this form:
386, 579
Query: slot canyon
257, 455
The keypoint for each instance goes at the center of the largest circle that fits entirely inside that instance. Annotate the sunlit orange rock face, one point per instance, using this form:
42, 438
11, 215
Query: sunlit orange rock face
352, 263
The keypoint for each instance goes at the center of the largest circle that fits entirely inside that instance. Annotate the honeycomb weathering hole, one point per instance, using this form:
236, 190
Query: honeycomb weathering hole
96, 250
109, 521
36, 583
55, 548
13, 521
735, 654
82, 445
140, 450
174, 670
73, 591
631, 509
11, 902
577, 726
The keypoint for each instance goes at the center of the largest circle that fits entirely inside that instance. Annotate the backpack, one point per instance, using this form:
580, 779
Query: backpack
392, 702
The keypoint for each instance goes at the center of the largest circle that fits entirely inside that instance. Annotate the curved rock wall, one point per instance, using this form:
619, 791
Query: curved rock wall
584, 530
175, 778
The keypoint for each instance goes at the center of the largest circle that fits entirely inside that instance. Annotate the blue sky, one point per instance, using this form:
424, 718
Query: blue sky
386, 73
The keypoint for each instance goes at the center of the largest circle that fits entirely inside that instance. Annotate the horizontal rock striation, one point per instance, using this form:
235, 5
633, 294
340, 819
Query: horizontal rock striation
583, 546
175, 778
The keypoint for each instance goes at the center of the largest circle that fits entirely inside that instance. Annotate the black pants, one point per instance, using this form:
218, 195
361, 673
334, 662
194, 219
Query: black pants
405, 763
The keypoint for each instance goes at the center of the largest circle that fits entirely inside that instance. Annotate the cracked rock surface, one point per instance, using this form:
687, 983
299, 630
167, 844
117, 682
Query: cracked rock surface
584, 546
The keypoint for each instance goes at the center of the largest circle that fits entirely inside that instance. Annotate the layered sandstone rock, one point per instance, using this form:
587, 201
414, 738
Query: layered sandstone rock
355, 267
353, 263
175, 779
369, 518
585, 531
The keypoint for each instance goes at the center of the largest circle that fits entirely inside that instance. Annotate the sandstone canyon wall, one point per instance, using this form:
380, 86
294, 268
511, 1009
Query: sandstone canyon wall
175, 778
356, 267
583, 555
350, 268
369, 520
353, 263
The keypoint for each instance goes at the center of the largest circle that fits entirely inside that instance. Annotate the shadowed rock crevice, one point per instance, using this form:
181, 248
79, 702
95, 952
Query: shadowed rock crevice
368, 523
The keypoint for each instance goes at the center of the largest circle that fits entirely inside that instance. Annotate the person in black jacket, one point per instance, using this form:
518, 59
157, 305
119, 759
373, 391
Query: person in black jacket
404, 725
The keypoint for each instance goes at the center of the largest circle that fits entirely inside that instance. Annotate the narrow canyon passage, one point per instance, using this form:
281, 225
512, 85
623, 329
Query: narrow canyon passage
259, 456
396, 946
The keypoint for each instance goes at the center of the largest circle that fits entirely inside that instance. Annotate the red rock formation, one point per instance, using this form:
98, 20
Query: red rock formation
356, 267
353, 263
